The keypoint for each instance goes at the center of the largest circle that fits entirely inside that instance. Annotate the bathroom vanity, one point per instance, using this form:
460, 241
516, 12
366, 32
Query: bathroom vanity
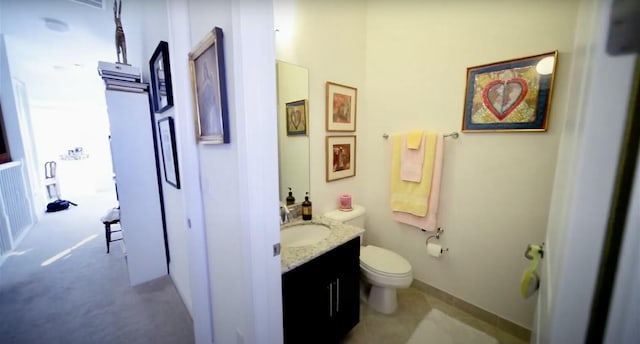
320, 286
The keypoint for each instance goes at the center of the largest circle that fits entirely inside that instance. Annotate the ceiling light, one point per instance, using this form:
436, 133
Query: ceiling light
55, 24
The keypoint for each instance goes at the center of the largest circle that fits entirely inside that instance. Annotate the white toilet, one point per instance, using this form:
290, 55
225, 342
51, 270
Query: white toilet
383, 270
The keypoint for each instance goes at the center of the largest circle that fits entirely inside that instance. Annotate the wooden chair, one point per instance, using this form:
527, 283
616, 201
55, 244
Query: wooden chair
111, 218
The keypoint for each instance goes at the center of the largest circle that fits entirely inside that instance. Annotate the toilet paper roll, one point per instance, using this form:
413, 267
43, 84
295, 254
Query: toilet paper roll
434, 250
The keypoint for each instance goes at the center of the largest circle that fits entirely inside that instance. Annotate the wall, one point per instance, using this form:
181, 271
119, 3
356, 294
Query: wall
145, 23
335, 53
219, 180
230, 190
587, 172
496, 187
586, 32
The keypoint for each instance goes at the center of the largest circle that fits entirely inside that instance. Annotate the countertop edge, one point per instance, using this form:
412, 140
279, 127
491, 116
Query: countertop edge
293, 257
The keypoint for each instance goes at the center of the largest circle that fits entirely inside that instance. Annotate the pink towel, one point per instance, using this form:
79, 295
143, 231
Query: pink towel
428, 222
411, 161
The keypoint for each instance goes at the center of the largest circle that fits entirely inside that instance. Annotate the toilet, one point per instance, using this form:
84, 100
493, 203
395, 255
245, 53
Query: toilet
382, 270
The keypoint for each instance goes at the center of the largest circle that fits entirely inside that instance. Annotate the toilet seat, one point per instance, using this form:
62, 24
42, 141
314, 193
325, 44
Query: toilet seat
383, 262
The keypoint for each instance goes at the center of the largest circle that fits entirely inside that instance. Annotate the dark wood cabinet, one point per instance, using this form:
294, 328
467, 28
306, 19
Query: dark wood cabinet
320, 297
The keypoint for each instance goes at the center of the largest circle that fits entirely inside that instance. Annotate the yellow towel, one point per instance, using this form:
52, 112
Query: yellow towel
414, 138
411, 197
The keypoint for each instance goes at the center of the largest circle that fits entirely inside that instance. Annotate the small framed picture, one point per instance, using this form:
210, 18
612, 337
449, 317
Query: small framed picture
209, 88
342, 104
160, 72
167, 136
341, 157
512, 95
297, 118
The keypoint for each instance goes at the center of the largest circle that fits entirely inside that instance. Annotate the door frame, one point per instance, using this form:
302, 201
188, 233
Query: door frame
585, 178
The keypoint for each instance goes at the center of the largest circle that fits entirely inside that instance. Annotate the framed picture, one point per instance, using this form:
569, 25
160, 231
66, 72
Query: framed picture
209, 87
342, 104
167, 136
297, 118
513, 95
341, 157
160, 72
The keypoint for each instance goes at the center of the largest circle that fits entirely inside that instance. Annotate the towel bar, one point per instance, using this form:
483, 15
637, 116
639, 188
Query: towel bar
437, 235
453, 135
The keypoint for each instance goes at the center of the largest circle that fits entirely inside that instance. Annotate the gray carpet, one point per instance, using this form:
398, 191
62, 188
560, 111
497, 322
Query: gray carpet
61, 286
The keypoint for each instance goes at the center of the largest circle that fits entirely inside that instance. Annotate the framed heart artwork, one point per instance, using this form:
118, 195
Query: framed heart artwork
512, 95
297, 118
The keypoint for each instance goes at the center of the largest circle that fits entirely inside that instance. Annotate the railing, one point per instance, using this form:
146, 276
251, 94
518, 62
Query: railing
16, 212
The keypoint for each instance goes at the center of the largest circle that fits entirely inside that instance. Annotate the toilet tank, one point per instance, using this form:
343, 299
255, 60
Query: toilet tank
354, 217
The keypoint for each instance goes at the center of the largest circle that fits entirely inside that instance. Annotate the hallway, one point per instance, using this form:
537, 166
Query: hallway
60, 286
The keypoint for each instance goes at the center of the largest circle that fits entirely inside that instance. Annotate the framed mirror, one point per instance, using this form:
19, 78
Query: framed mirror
293, 145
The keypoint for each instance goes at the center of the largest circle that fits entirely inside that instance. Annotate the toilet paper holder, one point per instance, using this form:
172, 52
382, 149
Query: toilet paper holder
437, 236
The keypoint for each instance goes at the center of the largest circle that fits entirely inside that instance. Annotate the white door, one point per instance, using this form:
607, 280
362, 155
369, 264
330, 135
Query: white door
584, 181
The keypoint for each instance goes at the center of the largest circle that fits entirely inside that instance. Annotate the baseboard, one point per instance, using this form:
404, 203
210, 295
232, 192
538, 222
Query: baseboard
486, 316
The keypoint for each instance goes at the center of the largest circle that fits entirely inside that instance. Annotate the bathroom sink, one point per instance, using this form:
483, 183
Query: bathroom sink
303, 235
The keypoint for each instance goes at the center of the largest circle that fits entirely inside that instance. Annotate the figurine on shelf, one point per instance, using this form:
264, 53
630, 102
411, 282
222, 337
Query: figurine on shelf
121, 45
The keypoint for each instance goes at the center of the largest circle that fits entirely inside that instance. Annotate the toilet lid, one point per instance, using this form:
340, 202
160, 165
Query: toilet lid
384, 261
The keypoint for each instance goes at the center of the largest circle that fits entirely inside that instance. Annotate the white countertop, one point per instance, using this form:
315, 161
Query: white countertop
341, 233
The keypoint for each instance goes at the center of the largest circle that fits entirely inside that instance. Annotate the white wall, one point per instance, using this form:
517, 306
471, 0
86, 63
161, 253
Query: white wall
327, 37
146, 24
589, 154
221, 202
230, 190
496, 187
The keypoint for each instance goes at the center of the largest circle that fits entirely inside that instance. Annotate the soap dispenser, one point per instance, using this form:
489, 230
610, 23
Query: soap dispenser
306, 208
290, 199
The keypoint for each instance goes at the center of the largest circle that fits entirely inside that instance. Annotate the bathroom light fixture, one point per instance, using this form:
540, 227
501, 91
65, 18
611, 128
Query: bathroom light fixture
55, 24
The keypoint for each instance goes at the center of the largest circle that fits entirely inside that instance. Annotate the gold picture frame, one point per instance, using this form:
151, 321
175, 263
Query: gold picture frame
208, 84
511, 95
341, 107
340, 157
297, 118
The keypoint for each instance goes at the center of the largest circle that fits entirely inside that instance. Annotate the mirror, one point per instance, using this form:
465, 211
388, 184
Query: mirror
293, 129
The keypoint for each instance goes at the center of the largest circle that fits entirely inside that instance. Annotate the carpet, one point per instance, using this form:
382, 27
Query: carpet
439, 328
61, 287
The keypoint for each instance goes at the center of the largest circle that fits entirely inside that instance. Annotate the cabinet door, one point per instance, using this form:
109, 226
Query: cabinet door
346, 286
306, 303
321, 297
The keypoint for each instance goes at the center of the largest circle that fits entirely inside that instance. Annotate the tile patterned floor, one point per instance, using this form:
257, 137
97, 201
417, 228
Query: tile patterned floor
413, 306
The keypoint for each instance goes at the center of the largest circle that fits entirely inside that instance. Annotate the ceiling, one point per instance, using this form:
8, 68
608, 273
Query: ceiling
58, 67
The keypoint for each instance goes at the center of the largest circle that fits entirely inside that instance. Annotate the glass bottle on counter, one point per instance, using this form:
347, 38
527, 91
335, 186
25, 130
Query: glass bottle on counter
290, 199
306, 208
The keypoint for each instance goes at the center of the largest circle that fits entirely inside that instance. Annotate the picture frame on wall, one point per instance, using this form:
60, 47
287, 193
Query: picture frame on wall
208, 80
510, 96
160, 73
167, 135
297, 118
340, 157
341, 107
